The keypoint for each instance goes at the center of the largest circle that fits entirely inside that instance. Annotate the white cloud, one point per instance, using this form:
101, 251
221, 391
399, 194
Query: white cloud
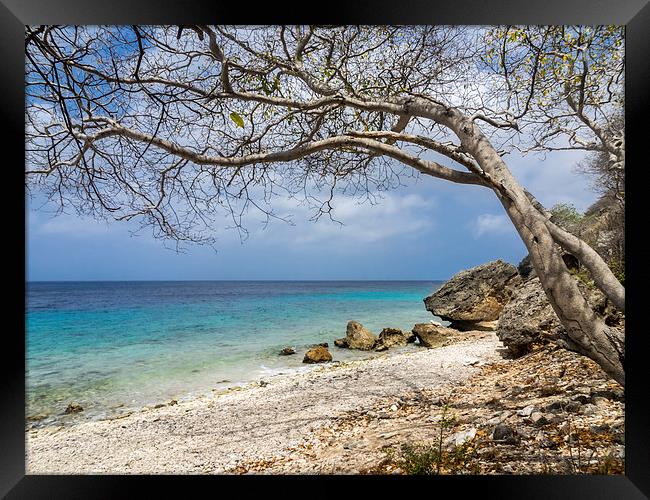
68, 225
491, 224
393, 215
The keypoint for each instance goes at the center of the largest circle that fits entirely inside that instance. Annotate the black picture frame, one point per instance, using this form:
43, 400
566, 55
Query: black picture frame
15, 14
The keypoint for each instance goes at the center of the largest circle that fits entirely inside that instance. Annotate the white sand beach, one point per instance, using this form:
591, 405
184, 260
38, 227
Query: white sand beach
216, 434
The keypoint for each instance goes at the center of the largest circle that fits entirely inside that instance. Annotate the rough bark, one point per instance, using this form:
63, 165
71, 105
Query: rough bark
600, 271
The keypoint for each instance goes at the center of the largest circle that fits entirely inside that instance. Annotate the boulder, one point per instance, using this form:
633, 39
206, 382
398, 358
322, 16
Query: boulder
431, 334
473, 299
505, 434
318, 354
357, 337
341, 342
390, 337
73, 408
287, 351
529, 319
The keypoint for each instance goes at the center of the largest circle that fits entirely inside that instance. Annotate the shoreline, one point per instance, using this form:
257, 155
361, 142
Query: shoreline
114, 411
218, 432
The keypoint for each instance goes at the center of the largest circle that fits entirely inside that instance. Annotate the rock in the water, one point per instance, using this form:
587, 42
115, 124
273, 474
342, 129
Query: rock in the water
73, 408
359, 337
318, 354
432, 335
287, 351
390, 337
323, 344
473, 299
341, 342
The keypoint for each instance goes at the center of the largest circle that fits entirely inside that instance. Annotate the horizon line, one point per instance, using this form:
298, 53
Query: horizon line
212, 280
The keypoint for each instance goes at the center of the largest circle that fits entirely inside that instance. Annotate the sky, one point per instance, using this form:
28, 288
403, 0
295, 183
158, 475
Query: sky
427, 230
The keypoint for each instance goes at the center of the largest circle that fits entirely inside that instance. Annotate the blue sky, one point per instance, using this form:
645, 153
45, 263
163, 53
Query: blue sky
429, 229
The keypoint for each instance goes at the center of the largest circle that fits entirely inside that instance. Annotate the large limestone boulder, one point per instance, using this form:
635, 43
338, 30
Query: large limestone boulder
317, 354
432, 335
529, 319
473, 299
357, 337
390, 337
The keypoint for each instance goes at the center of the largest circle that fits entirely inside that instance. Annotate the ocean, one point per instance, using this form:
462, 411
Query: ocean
118, 346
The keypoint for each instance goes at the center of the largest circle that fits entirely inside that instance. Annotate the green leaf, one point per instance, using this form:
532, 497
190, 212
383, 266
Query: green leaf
237, 119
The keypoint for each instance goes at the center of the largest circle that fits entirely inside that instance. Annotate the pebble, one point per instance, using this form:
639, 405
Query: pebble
527, 411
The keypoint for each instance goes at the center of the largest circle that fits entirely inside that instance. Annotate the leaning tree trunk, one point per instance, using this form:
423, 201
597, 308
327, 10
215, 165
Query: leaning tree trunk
586, 332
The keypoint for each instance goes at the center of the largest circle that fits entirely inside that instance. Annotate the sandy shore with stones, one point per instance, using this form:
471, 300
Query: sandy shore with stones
257, 424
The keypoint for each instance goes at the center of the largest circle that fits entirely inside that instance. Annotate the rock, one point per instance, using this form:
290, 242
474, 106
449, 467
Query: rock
505, 434
359, 337
393, 408
341, 342
173, 402
473, 299
323, 344
538, 419
527, 411
263, 383
461, 437
528, 319
390, 337
73, 408
573, 406
287, 351
318, 354
555, 406
432, 335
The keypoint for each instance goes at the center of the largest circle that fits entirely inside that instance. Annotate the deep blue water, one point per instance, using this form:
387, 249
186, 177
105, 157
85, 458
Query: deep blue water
111, 346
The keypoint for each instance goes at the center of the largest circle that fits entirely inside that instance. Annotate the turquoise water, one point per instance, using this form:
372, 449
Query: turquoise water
114, 346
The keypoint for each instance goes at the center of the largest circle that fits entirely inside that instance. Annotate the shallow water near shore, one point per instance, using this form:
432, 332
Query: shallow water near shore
115, 346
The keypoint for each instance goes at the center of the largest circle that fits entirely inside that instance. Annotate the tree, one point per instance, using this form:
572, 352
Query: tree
563, 86
167, 124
